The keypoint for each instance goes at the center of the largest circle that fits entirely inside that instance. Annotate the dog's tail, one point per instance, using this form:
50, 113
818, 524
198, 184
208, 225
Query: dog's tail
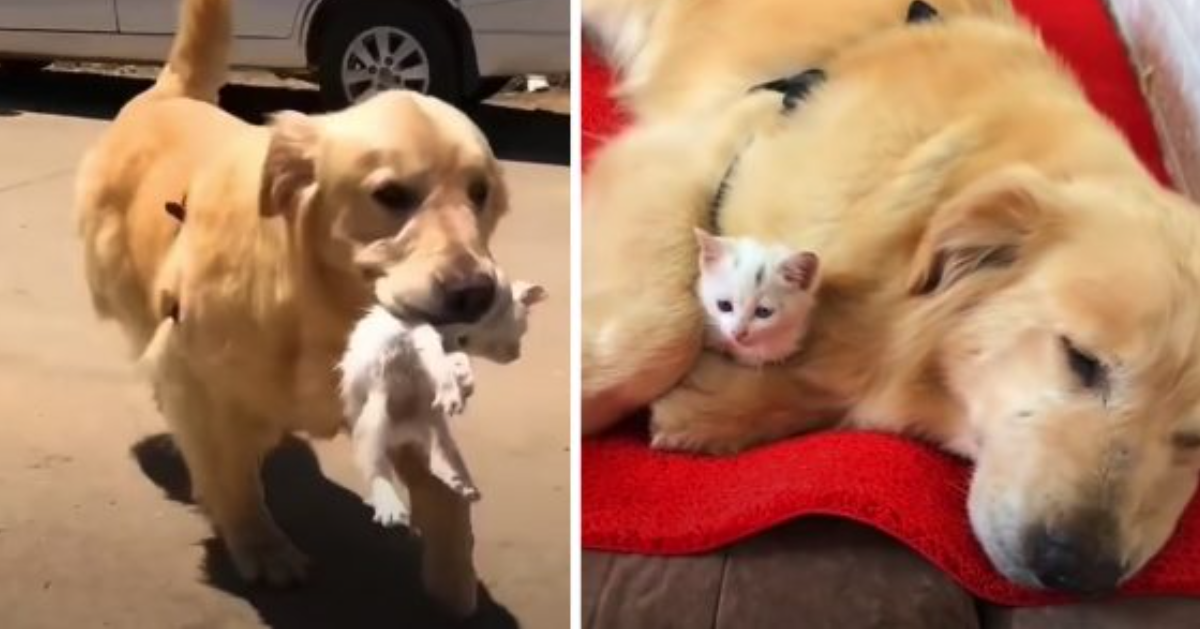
199, 59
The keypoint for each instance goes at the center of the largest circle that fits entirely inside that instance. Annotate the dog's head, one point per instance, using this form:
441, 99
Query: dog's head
1073, 319
399, 194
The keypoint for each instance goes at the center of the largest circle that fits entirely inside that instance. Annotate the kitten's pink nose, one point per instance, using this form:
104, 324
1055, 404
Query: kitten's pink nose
741, 335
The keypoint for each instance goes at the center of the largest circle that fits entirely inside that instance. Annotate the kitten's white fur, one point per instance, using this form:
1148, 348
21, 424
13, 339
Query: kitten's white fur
744, 275
401, 380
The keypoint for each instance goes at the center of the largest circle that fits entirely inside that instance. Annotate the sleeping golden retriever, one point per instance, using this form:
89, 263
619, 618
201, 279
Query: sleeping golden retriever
290, 232
1001, 274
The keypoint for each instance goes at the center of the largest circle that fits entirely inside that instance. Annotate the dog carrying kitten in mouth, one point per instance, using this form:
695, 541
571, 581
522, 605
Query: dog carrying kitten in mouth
403, 379
757, 298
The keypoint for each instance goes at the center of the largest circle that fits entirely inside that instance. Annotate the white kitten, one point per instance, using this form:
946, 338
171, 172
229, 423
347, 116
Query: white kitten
401, 380
757, 298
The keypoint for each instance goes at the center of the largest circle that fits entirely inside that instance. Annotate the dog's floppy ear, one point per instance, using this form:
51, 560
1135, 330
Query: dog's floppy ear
984, 226
290, 166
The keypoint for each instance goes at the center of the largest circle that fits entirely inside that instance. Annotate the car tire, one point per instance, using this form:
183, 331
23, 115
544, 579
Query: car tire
22, 67
351, 64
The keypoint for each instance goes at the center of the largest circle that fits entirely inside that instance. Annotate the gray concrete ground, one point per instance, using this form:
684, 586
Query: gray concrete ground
94, 526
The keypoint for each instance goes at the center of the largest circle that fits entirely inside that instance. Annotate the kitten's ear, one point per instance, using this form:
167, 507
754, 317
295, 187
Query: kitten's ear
290, 165
712, 249
800, 270
529, 294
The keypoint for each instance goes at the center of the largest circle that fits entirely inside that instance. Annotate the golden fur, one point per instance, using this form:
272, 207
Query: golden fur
285, 244
977, 222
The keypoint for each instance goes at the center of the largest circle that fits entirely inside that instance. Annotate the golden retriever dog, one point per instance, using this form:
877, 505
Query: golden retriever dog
1002, 276
291, 232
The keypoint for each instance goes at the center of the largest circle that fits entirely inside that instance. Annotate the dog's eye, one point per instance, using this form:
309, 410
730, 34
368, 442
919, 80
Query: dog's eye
396, 197
724, 305
478, 192
1186, 441
1092, 373
762, 312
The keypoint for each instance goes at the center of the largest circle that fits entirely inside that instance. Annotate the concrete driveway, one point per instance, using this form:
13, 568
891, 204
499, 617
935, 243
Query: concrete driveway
95, 529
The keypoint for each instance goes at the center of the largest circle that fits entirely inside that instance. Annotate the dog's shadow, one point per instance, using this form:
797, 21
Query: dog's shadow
363, 576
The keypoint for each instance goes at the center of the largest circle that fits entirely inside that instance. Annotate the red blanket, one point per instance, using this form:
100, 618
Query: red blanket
638, 500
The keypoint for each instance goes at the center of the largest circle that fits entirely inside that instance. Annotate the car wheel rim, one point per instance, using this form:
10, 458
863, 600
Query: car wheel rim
384, 58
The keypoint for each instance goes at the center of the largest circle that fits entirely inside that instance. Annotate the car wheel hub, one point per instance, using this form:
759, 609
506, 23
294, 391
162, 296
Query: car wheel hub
384, 58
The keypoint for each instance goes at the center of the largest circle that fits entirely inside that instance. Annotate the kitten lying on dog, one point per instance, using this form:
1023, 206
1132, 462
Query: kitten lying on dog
757, 298
402, 379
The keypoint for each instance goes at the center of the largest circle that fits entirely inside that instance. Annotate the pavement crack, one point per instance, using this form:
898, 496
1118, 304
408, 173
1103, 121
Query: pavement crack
36, 179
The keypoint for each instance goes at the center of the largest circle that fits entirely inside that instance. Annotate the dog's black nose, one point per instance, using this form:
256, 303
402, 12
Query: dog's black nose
1074, 562
466, 300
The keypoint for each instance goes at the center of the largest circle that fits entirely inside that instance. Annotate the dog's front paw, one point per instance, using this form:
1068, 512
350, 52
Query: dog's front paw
680, 422
268, 557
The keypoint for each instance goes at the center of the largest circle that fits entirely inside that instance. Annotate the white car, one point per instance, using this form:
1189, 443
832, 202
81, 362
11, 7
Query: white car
453, 49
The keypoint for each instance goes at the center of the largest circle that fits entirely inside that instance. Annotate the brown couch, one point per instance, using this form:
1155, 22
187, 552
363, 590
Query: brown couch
817, 572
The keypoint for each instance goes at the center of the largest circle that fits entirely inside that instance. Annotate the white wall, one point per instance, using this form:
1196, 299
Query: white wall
1164, 39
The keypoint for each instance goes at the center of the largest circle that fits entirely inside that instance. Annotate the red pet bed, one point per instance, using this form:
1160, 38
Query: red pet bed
640, 501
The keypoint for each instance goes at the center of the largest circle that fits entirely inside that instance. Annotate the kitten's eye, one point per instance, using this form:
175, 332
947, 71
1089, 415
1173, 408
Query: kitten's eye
397, 198
478, 192
762, 312
462, 341
724, 305
1090, 372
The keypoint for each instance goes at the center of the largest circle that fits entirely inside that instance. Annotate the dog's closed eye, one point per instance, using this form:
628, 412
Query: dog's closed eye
1186, 441
1088, 369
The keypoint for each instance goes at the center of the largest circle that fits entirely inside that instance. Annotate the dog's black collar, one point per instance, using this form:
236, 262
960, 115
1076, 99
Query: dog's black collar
795, 90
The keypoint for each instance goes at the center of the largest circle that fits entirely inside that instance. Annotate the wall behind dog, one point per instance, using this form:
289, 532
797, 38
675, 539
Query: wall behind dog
1160, 35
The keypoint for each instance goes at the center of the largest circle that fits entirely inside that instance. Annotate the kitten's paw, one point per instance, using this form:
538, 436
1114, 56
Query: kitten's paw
448, 401
460, 364
463, 487
390, 511
448, 398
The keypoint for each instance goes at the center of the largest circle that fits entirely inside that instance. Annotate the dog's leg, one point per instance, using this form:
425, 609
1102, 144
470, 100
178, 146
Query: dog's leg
260, 550
444, 519
642, 326
722, 408
223, 449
